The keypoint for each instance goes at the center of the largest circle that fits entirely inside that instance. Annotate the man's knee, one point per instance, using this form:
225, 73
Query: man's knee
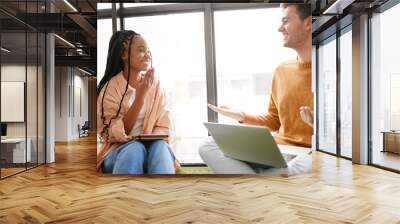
207, 148
203, 150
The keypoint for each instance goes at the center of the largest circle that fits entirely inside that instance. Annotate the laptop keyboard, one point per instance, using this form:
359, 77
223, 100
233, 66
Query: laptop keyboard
288, 157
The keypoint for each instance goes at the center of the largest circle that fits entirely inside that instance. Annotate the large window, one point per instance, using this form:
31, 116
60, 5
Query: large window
246, 57
104, 33
327, 96
177, 45
334, 106
346, 93
385, 84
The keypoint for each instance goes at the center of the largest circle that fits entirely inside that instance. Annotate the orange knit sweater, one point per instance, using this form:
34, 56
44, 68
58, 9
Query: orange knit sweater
291, 89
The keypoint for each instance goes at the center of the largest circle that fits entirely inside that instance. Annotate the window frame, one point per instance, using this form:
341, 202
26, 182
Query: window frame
346, 29
208, 9
345, 25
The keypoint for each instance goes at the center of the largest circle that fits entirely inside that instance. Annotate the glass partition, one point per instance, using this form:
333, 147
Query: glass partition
385, 89
327, 96
22, 89
346, 94
13, 86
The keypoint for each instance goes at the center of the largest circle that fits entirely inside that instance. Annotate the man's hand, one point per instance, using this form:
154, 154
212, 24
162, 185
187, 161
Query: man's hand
226, 111
307, 115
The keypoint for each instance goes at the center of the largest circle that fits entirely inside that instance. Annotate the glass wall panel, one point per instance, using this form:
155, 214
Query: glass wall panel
31, 90
346, 94
22, 89
41, 79
31, 99
327, 96
385, 89
13, 86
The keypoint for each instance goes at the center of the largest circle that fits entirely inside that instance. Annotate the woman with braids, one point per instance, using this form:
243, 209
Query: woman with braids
130, 103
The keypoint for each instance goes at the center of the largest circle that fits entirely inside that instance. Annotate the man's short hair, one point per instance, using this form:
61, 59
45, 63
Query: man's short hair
304, 10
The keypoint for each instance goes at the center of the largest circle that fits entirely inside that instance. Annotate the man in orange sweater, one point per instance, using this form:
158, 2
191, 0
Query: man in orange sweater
289, 114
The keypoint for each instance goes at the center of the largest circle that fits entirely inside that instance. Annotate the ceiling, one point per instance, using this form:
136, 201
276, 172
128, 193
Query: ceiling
331, 15
76, 25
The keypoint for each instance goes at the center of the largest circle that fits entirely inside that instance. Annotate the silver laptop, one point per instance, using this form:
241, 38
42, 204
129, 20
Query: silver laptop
253, 144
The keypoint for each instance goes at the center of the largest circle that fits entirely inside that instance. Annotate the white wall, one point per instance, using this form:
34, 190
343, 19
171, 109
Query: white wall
67, 115
12, 73
61, 103
33, 127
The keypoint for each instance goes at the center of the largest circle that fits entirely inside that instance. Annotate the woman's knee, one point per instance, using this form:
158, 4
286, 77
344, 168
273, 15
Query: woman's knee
133, 151
109, 161
161, 159
159, 148
160, 152
159, 144
131, 159
203, 151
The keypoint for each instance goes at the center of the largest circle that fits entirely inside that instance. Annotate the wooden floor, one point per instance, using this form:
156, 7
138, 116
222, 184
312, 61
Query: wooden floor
10, 171
387, 159
5, 172
70, 191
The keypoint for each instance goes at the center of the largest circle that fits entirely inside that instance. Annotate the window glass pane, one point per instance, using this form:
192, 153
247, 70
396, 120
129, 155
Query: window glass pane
327, 97
31, 100
41, 98
104, 5
118, 24
144, 4
246, 57
176, 42
346, 94
22, 90
104, 33
385, 88
13, 86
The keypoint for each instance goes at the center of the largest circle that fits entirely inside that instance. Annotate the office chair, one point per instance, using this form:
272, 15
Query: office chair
84, 130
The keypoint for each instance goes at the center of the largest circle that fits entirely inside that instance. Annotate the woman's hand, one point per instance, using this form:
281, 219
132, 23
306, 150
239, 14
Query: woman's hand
177, 165
144, 83
307, 115
226, 111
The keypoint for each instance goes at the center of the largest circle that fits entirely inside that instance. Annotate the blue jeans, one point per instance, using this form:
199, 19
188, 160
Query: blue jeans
133, 158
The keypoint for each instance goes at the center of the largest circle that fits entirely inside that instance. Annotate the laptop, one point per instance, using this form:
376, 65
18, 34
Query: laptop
248, 143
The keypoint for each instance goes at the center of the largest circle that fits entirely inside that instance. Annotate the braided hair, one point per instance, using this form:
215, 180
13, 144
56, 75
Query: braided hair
115, 64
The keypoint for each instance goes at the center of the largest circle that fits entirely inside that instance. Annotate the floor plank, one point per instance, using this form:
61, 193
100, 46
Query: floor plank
70, 191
